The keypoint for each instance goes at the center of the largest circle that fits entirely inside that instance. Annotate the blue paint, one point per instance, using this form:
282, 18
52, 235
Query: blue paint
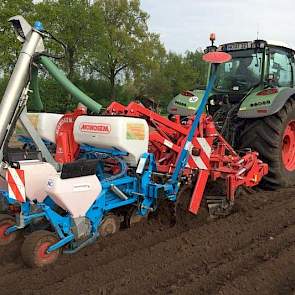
182, 160
38, 26
137, 186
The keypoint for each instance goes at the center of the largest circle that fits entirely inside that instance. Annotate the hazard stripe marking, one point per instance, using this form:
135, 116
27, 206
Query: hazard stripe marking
16, 184
191, 163
199, 162
168, 143
204, 145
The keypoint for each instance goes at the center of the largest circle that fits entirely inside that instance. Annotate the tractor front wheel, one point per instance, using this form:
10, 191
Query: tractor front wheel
35, 249
273, 137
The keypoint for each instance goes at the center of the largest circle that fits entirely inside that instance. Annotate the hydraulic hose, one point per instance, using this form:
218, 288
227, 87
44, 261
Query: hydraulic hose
61, 78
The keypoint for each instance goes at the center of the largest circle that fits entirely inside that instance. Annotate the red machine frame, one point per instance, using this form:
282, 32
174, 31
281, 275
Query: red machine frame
210, 157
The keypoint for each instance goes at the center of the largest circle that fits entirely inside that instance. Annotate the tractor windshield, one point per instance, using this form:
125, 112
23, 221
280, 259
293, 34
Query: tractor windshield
240, 74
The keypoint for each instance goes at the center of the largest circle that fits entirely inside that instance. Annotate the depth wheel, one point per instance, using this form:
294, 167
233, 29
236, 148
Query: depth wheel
273, 137
35, 246
6, 221
110, 225
132, 218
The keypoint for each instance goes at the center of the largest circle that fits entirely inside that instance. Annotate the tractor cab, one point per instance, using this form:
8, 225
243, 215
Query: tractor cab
258, 63
260, 68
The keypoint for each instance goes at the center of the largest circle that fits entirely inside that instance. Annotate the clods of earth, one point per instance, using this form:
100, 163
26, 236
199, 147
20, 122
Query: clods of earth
252, 251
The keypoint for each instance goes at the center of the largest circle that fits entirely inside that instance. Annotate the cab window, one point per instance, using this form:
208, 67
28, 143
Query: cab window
280, 65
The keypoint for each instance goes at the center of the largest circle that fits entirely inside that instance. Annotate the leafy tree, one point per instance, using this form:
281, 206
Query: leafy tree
174, 74
125, 45
109, 51
200, 68
72, 22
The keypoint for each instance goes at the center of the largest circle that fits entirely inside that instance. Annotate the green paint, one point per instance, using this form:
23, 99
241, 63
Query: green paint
254, 101
36, 99
189, 102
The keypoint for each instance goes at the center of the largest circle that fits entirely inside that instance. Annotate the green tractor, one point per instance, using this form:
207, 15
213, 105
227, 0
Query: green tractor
253, 104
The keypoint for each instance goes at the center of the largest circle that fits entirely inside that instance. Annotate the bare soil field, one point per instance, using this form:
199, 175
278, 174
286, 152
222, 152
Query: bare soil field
252, 251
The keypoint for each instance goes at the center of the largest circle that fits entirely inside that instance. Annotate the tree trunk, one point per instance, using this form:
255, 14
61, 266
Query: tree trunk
70, 74
70, 63
112, 83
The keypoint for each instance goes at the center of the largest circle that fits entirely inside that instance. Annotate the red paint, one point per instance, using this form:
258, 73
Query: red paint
3, 228
187, 93
288, 147
42, 256
67, 149
198, 191
223, 163
95, 128
217, 57
269, 91
13, 186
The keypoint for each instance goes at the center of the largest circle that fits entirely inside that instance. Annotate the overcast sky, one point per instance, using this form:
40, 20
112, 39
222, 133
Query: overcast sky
186, 24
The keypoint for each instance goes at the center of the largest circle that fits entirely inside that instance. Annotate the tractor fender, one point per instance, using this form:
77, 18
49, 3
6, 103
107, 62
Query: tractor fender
186, 103
277, 103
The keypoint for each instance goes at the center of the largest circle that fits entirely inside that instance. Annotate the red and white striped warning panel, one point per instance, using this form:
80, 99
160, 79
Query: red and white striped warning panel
202, 161
16, 184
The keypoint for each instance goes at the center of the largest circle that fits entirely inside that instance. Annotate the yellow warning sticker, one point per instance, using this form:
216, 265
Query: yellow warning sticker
135, 131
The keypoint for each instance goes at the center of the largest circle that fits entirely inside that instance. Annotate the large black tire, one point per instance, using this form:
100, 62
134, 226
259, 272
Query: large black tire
265, 135
35, 246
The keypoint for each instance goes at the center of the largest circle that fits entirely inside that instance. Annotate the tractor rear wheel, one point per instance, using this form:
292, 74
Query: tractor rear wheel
273, 137
35, 246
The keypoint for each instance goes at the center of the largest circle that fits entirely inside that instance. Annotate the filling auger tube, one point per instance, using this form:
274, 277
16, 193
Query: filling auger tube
19, 77
60, 77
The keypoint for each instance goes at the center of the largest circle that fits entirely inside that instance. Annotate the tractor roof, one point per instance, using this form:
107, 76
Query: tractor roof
241, 45
280, 44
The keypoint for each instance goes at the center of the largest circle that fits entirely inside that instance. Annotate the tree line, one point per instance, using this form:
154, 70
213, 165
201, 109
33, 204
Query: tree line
110, 52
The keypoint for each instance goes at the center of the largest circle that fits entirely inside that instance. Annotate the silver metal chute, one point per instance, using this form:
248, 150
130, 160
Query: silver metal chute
9, 107
21, 27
